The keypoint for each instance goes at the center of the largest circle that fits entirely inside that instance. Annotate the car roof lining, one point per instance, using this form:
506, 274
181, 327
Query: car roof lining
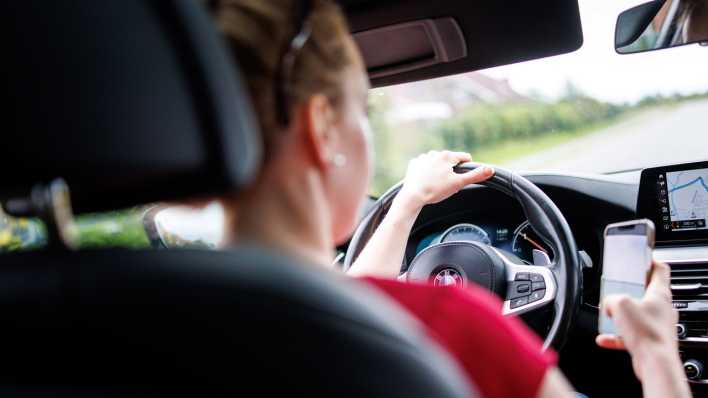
496, 32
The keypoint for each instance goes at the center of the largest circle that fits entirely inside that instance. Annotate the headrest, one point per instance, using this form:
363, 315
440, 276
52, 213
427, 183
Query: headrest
128, 101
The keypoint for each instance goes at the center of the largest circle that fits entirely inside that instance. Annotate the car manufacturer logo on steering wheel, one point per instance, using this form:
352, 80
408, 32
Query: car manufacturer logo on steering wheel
448, 277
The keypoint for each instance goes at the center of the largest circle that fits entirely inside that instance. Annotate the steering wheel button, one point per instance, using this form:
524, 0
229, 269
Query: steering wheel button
536, 278
518, 302
537, 295
522, 276
518, 289
538, 286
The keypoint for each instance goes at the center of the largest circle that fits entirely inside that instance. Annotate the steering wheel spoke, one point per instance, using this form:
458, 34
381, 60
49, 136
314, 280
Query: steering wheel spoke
528, 288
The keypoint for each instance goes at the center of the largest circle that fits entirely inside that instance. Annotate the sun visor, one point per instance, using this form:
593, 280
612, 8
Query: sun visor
413, 45
410, 40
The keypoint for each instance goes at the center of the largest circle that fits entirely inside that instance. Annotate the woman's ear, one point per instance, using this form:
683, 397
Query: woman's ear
318, 128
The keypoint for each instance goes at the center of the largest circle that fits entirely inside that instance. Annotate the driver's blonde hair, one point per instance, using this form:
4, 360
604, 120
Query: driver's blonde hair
259, 31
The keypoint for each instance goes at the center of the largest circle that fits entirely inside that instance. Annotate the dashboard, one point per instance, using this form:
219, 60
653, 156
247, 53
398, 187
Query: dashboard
674, 197
589, 203
482, 214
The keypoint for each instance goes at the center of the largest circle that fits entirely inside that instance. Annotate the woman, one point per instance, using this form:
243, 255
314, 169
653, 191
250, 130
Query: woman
309, 88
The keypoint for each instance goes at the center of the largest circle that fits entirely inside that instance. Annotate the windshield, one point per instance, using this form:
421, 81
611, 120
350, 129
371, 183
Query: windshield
589, 111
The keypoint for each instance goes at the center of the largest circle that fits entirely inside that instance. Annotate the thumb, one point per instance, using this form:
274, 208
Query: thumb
660, 279
610, 341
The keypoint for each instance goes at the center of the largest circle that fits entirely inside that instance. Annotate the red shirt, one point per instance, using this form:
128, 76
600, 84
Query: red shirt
500, 354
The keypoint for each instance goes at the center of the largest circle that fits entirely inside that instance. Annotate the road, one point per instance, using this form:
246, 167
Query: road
666, 135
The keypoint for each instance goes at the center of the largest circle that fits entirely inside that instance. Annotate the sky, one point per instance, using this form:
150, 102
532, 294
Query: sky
600, 72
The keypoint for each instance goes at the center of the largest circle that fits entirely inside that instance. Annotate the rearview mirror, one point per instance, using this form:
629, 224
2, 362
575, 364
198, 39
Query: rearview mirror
662, 24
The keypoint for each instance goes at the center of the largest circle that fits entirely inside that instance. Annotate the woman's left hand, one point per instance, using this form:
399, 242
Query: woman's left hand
430, 178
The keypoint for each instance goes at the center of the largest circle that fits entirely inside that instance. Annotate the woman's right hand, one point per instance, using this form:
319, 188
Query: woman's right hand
647, 330
644, 324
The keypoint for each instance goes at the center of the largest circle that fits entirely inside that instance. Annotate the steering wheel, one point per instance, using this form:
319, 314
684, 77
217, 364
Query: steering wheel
524, 288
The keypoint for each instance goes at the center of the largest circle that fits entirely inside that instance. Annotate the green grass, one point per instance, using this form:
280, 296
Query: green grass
517, 148
514, 149
113, 229
123, 228
498, 153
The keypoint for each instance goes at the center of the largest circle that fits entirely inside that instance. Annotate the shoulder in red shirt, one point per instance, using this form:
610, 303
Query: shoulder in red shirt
500, 354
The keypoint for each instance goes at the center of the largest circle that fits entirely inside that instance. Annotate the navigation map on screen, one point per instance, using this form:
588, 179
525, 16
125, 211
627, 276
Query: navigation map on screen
687, 193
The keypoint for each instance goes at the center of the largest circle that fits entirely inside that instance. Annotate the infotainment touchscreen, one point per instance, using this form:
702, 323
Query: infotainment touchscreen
687, 193
676, 199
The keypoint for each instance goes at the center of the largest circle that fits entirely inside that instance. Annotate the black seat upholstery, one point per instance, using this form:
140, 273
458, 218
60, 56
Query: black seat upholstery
138, 101
220, 323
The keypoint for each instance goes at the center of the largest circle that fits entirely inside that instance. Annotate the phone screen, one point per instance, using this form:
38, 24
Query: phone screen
626, 262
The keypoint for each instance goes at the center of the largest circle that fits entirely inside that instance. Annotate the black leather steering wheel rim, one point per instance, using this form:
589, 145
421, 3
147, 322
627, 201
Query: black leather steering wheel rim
545, 218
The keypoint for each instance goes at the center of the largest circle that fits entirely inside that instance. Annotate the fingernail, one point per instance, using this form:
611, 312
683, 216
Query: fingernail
488, 170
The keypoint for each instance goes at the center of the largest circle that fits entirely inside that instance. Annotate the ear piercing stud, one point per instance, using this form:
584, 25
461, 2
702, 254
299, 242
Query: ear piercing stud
339, 160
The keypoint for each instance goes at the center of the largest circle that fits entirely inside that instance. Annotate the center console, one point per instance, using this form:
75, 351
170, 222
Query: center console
675, 198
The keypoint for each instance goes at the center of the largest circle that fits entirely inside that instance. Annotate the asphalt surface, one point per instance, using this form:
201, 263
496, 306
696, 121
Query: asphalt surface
662, 136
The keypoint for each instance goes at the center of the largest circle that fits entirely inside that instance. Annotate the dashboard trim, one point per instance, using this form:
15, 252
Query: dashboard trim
682, 255
619, 190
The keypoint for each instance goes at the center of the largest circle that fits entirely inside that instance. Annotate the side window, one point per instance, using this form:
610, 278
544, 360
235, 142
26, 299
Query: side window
123, 228
156, 226
20, 233
186, 227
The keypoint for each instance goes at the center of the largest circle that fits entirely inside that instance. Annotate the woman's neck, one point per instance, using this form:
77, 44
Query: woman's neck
286, 212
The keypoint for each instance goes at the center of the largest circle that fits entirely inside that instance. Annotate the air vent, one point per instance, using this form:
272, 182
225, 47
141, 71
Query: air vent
689, 282
695, 323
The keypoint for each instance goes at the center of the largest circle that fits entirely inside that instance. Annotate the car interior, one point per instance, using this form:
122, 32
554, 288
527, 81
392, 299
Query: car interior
120, 104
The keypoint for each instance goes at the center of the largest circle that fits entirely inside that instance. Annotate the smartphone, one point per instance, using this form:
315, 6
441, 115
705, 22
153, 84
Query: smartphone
626, 263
